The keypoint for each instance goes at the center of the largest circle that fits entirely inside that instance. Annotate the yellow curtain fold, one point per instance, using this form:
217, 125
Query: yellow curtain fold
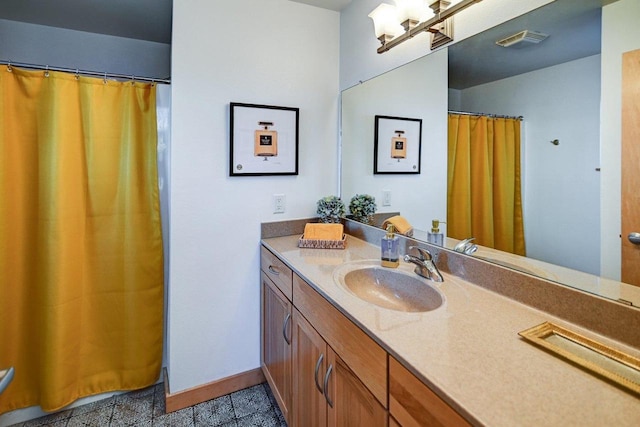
483, 184
81, 262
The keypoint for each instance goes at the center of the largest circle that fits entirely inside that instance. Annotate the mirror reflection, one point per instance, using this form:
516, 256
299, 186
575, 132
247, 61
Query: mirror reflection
554, 85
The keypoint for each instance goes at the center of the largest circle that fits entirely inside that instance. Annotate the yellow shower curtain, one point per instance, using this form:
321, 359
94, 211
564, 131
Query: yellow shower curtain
483, 194
81, 262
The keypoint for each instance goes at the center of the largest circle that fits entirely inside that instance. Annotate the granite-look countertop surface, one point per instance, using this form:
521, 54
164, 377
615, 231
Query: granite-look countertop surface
468, 350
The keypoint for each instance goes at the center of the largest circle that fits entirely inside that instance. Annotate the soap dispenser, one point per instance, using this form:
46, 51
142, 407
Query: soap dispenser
390, 248
435, 236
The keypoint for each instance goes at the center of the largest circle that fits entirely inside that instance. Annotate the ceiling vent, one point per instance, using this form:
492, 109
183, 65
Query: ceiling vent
522, 39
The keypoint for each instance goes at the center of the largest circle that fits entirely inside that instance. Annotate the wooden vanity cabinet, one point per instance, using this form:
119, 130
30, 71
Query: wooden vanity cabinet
309, 364
276, 348
413, 404
277, 271
325, 391
338, 369
353, 403
360, 352
326, 371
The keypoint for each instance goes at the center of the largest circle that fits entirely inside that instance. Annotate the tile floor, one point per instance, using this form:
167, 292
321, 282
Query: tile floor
254, 406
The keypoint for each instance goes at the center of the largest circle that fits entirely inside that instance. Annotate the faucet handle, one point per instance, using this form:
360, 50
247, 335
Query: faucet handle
425, 255
464, 244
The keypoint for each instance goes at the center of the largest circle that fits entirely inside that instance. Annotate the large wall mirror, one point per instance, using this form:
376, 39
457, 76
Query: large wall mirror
555, 85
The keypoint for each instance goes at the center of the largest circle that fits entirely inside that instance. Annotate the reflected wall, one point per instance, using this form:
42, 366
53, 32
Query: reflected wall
560, 183
416, 90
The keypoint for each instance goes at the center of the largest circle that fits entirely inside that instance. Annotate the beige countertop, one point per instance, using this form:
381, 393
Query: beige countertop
468, 350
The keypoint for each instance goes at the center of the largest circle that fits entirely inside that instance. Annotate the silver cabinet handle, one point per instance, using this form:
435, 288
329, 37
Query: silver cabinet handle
274, 270
326, 383
315, 376
634, 238
284, 328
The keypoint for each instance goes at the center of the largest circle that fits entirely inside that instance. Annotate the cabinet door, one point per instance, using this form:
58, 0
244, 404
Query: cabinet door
276, 343
350, 403
309, 361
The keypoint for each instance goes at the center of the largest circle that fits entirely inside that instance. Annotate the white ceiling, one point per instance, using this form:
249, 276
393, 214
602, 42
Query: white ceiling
574, 28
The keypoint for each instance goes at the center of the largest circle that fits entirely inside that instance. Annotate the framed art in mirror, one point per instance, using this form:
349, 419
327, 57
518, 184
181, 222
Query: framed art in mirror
397, 145
263, 140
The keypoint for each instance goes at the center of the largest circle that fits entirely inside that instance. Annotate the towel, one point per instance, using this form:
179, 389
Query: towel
321, 231
401, 225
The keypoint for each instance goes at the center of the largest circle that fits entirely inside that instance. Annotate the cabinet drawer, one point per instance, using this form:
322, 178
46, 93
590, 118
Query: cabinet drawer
361, 354
412, 403
277, 271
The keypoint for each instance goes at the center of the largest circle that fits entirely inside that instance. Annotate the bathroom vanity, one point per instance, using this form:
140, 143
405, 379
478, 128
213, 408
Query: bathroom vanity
332, 357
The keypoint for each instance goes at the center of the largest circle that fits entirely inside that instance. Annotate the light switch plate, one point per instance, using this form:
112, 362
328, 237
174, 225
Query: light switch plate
386, 197
279, 203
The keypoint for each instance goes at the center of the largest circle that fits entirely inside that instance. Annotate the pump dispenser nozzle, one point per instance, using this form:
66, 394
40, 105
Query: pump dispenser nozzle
435, 236
391, 230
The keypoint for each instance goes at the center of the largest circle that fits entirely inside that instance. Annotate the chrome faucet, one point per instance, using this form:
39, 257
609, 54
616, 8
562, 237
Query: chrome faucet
425, 266
466, 246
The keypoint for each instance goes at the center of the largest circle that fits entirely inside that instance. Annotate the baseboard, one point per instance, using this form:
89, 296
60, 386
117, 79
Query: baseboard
202, 393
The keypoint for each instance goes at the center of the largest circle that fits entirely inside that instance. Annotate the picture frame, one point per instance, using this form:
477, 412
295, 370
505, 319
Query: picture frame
397, 145
263, 140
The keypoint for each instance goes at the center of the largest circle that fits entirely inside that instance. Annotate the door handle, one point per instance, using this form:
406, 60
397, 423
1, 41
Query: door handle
326, 386
316, 372
634, 238
274, 270
284, 328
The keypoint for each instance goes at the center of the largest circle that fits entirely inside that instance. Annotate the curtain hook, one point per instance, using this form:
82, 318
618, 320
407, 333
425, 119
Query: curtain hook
105, 78
77, 74
9, 69
133, 81
46, 71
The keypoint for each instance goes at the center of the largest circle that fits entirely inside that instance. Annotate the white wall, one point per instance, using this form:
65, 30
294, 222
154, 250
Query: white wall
620, 33
359, 60
422, 197
561, 187
42, 45
273, 52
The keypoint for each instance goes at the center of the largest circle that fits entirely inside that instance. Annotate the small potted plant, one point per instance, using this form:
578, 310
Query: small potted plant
331, 209
362, 208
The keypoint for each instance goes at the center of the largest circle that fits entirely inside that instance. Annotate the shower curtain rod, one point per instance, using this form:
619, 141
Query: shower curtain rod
84, 72
496, 116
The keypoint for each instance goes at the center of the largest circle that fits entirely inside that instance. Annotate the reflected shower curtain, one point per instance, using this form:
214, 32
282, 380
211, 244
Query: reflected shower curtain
81, 261
483, 193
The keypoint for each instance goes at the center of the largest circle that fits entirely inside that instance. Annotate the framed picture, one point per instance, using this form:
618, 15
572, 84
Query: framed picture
263, 140
397, 145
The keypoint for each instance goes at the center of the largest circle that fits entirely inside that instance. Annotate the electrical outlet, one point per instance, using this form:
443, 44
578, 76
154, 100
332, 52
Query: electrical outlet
279, 202
386, 197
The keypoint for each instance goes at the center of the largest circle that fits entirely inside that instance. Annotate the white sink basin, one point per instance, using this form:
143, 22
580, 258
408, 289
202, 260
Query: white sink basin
388, 288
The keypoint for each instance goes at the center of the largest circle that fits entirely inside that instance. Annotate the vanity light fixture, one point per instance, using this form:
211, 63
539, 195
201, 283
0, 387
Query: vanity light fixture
410, 13
385, 22
414, 18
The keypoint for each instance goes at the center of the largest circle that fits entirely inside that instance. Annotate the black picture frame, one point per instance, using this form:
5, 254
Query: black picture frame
263, 140
397, 145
